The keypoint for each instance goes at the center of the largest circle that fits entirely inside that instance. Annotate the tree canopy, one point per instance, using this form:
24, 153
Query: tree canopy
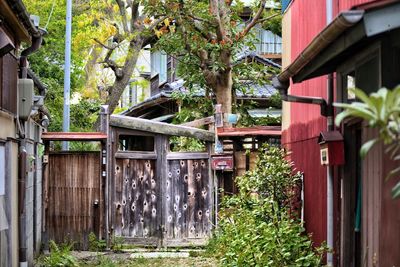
205, 36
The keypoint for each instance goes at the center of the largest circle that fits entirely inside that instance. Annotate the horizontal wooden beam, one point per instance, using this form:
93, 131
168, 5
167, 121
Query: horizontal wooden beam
74, 136
187, 155
160, 127
199, 122
135, 155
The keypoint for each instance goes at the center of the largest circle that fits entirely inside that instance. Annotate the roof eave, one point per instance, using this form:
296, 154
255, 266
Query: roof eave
341, 23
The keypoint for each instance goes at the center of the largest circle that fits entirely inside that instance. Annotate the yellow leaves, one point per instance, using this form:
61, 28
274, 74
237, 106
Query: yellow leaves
166, 22
158, 33
115, 8
147, 21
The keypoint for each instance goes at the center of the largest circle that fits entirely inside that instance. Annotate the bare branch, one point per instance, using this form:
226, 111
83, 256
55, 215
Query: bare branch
106, 46
255, 19
156, 22
135, 13
267, 18
122, 12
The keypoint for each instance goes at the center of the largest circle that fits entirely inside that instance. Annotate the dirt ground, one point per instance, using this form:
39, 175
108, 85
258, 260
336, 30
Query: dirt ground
124, 259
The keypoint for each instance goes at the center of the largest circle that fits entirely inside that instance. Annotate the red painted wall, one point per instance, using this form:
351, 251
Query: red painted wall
308, 18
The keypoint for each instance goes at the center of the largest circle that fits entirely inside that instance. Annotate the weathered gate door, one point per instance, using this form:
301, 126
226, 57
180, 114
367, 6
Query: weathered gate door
73, 198
137, 193
160, 198
188, 199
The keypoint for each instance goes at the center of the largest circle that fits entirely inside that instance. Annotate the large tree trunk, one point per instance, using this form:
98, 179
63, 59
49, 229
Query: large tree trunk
122, 81
223, 90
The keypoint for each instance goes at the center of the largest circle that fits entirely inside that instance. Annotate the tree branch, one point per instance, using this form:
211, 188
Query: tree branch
122, 12
267, 18
255, 19
106, 46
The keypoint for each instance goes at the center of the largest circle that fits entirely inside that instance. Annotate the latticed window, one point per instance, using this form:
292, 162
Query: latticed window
269, 43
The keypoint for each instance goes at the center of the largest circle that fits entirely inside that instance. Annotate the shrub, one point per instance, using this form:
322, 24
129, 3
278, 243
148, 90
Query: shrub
96, 244
60, 255
255, 226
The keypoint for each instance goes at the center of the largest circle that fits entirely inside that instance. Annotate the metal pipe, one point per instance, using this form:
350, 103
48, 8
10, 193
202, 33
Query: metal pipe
22, 172
22, 157
283, 89
23, 60
329, 172
67, 72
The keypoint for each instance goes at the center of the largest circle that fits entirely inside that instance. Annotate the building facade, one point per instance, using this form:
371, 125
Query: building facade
329, 47
20, 138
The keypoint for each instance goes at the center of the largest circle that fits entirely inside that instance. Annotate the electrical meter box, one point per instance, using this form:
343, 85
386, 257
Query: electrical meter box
25, 98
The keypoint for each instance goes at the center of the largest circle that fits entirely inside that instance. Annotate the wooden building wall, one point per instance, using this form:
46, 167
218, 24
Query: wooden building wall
303, 125
380, 213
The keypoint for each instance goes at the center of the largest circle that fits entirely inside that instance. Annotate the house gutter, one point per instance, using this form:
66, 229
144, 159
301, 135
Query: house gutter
37, 38
282, 82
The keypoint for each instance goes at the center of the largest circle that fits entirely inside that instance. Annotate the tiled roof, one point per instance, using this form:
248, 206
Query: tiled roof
253, 90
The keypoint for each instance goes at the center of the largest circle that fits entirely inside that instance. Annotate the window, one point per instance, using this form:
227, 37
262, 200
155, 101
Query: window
269, 43
135, 143
350, 84
159, 65
2, 169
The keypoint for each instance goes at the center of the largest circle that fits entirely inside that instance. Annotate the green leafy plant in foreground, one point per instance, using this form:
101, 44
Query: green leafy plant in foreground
255, 227
60, 255
382, 111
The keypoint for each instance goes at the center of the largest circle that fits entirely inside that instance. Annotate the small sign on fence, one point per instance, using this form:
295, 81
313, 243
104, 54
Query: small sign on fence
222, 163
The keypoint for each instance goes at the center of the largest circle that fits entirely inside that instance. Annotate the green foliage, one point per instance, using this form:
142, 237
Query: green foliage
382, 111
48, 61
117, 243
186, 144
96, 244
192, 107
255, 227
60, 255
206, 44
272, 177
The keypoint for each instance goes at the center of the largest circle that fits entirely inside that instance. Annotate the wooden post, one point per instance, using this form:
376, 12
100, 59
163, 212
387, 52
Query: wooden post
106, 172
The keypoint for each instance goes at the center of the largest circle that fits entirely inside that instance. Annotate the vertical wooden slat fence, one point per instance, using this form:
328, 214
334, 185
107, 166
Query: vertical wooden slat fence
74, 185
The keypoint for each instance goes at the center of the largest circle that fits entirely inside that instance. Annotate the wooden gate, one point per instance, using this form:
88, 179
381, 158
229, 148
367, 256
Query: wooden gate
73, 198
160, 198
188, 199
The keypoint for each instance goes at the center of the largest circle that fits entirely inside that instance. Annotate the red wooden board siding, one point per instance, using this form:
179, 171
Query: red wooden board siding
305, 155
308, 19
348, 4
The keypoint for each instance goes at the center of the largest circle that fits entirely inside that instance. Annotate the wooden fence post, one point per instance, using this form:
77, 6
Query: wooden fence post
106, 172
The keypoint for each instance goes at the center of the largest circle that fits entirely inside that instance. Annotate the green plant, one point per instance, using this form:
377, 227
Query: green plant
96, 244
60, 255
117, 243
256, 227
382, 111
186, 144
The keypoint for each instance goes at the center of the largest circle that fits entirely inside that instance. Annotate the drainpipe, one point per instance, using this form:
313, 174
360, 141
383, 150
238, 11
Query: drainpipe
329, 171
22, 159
283, 90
